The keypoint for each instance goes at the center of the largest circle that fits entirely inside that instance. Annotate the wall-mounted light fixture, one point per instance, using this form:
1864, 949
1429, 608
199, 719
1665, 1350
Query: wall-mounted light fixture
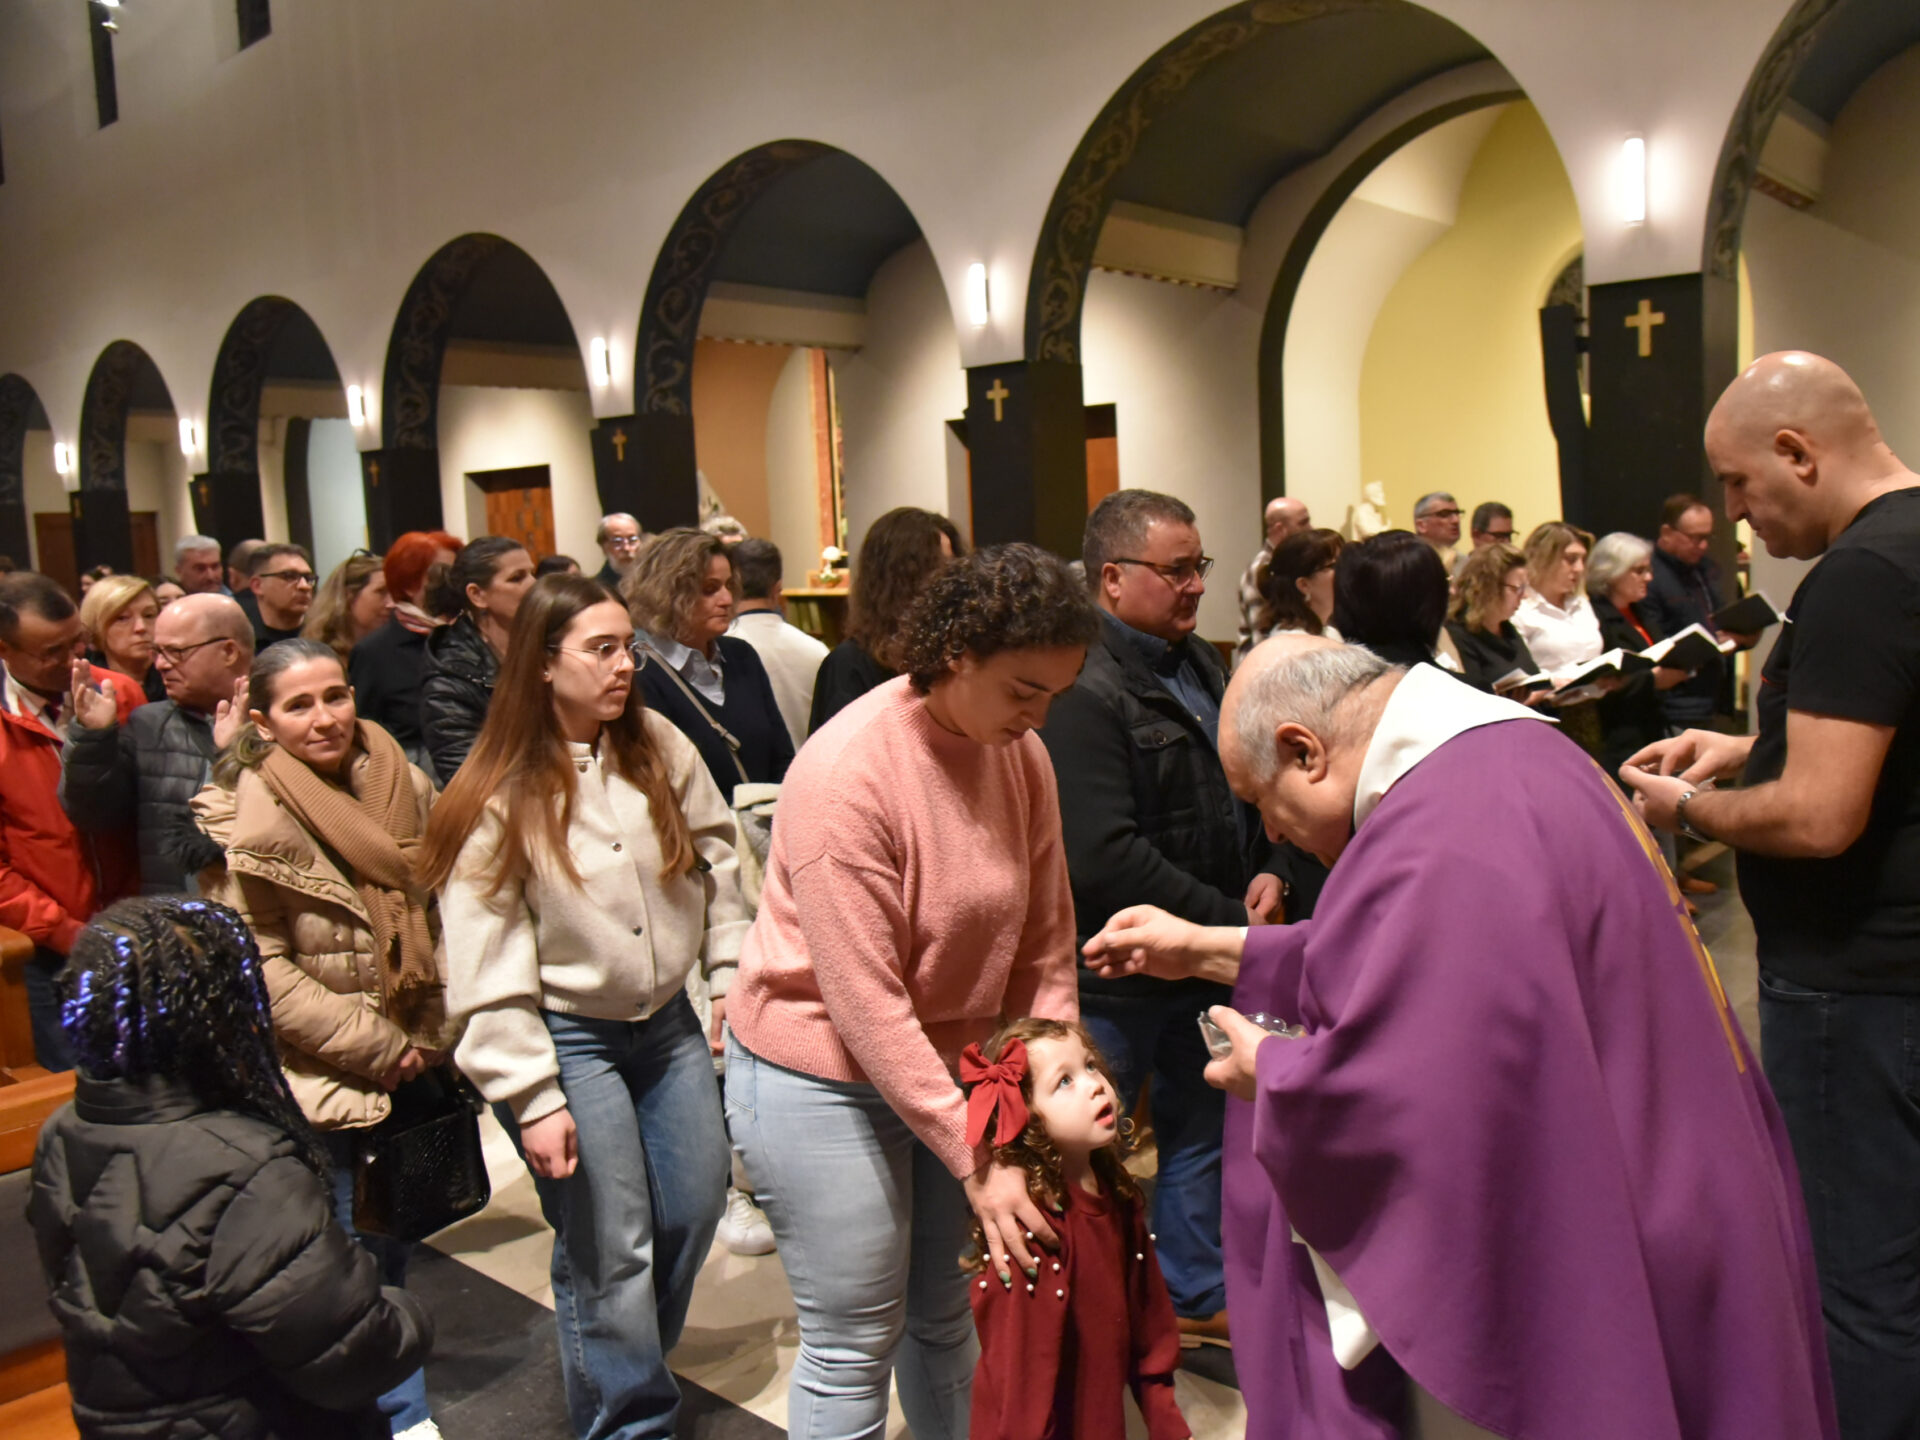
189, 438
356, 406
977, 308
1632, 181
62, 458
599, 363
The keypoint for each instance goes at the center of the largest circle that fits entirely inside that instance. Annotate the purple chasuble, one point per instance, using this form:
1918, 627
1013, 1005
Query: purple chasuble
1523, 1129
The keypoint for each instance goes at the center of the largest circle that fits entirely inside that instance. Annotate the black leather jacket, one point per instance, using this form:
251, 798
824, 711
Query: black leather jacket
1145, 808
201, 1282
461, 670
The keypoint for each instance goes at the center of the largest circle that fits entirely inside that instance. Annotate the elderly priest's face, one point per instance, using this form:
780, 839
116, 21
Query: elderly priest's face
1302, 777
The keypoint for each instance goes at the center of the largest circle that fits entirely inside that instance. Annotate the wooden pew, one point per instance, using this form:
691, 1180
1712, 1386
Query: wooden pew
34, 1404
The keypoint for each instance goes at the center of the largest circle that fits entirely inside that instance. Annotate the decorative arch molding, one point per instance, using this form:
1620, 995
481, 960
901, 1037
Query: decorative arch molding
1293, 268
17, 404
101, 527
1057, 290
1747, 134
239, 378
670, 316
410, 410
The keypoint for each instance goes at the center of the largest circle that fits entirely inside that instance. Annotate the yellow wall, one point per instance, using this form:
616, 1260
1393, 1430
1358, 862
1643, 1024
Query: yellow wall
1452, 395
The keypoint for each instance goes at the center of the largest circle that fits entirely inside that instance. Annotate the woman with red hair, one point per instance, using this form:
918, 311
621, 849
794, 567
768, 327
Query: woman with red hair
388, 666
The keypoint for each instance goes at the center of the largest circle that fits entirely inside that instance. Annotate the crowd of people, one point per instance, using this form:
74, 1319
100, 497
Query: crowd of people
939, 907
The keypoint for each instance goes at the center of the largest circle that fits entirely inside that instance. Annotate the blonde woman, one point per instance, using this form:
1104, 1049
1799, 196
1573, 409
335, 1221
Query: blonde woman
350, 605
118, 612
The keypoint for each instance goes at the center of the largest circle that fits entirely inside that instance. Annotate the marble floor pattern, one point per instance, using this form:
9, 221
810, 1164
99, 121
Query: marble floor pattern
496, 1373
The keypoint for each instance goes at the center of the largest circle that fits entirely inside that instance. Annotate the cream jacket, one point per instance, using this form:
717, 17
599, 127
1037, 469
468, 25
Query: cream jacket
316, 940
617, 945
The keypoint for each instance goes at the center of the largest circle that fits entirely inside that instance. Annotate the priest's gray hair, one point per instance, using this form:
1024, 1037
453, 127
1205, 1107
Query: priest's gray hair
1310, 690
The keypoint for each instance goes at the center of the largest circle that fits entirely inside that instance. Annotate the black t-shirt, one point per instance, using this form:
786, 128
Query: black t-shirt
1850, 649
265, 635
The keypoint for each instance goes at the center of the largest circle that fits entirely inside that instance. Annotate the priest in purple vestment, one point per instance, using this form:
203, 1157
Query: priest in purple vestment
1520, 1175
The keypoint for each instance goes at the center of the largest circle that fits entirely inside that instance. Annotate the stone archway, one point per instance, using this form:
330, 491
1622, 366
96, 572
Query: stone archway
18, 406
102, 527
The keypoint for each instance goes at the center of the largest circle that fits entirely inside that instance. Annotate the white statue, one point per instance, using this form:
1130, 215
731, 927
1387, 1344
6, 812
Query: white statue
1369, 517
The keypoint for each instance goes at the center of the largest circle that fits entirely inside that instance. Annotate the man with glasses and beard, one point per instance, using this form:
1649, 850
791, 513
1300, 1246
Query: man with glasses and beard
1148, 818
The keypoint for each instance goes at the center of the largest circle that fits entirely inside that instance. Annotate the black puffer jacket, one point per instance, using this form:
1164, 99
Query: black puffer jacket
1145, 809
142, 773
204, 1290
461, 669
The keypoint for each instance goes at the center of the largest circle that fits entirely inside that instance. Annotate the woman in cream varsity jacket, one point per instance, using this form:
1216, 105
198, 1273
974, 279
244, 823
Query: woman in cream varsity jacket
585, 865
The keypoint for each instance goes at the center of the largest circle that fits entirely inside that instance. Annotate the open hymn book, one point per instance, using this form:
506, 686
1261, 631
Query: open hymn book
1688, 651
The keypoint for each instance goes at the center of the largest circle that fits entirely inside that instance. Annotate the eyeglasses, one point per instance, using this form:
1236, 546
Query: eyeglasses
1444, 515
177, 654
623, 542
1499, 537
1514, 589
606, 654
292, 577
1185, 573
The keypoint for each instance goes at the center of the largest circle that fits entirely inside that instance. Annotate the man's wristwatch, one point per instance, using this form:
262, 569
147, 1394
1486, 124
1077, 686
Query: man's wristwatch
1680, 821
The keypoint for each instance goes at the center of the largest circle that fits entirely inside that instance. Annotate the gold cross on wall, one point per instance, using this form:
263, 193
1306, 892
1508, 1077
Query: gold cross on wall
999, 394
373, 473
1643, 320
619, 442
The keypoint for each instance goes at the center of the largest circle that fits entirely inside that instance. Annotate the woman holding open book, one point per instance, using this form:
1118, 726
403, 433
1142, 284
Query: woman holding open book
1490, 588
1557, 621
1631, 718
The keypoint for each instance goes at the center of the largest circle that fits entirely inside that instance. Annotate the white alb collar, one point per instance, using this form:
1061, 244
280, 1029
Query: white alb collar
1427, 708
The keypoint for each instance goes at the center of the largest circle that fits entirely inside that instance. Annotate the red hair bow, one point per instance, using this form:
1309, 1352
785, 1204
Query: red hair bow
995, 1087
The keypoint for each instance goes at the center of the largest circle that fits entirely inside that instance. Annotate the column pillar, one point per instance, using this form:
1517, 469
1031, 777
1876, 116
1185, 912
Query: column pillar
644, 465
403, 493
1027, 447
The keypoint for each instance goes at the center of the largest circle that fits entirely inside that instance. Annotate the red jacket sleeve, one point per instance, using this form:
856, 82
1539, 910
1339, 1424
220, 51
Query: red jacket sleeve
1019, 1366
1156, 1340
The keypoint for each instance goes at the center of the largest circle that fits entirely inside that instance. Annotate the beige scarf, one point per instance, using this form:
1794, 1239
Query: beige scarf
375, 828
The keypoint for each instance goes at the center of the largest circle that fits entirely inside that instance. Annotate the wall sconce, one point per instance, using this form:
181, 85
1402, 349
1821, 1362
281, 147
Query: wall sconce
62, 458
1633, 181
356, 406
599, 362
189, 438
977, 308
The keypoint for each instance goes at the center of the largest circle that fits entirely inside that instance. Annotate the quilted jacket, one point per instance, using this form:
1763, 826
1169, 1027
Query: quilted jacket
142, 773
200, 1280
461, 670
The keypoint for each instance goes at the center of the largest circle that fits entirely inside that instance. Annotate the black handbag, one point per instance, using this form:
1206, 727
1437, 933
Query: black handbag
420, 1169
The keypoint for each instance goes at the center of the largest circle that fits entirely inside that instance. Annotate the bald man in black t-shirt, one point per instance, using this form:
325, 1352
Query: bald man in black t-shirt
1827, 826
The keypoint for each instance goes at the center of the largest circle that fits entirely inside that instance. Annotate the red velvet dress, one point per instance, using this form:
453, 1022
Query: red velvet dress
1056, 1354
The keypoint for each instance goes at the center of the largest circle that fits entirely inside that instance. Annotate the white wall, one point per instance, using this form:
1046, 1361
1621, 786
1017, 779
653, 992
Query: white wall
793, 478
896, 395
492, 429
335, 493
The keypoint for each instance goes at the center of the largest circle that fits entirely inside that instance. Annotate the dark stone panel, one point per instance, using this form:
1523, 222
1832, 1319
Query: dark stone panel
18, 407
1027, 439
644, 465
403, 493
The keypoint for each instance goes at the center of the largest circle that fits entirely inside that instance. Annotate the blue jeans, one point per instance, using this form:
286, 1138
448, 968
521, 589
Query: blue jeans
50, 1050
871, 1227
636, 1217
1158, 1033
1846, 1071
406, 1404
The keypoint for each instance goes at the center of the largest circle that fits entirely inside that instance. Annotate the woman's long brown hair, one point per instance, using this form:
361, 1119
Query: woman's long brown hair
522, 757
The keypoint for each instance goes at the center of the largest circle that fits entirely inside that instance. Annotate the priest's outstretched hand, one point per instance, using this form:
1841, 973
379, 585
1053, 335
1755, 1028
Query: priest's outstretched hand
1236, 1073
1146, 940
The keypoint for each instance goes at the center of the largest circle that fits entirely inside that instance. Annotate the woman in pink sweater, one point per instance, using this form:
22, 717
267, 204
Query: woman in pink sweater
916, 895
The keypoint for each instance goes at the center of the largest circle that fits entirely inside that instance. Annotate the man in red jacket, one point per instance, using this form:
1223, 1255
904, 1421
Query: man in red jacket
52, 877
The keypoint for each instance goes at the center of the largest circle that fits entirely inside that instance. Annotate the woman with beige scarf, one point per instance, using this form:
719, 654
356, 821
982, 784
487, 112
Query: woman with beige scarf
320, 815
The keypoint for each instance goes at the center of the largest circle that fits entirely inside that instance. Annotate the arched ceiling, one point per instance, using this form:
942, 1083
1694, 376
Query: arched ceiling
511, 301
1860, 37
824, 227
149, 391
300, 352
1281, 100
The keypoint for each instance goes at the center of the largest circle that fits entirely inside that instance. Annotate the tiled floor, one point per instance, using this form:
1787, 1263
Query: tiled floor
500, 1377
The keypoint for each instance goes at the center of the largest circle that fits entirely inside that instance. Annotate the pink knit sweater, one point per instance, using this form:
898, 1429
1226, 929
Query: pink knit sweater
916, 893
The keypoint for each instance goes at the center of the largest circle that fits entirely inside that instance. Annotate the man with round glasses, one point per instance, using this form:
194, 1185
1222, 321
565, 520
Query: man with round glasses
618, 536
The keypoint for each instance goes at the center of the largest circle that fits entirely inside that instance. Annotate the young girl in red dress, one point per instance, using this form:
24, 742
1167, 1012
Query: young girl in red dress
1057, 1348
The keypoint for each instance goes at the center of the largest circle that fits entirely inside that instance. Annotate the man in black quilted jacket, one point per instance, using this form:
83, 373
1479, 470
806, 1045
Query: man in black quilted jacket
199, 1278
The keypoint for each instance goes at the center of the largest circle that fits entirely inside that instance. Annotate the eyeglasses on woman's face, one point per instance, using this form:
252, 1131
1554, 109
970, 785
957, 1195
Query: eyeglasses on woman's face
605, 654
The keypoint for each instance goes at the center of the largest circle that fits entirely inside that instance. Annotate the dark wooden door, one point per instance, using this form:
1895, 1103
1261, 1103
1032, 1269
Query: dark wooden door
145, 525
523, 515
53, 548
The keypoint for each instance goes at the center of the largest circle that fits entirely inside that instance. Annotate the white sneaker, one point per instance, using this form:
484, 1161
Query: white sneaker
744, 1229
425, 1430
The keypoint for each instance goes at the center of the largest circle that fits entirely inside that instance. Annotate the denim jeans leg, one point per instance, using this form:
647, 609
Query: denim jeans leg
934, 1364
630, 1219
1843, 1068
405, 1405
50, 1050
835, 1170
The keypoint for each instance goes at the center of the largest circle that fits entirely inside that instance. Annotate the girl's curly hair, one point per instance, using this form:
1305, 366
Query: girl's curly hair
1032, 1149
1005, 597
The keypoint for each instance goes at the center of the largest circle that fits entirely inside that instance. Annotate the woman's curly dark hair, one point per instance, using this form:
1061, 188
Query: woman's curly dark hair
171, 987
1032, 1150
1006, 597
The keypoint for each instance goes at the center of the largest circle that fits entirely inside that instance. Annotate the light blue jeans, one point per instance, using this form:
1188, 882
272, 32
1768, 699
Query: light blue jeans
636, 1217
405, 1406
871, 1227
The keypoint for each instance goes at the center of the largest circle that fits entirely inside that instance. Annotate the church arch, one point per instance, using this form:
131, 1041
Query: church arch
20, 411
124, 378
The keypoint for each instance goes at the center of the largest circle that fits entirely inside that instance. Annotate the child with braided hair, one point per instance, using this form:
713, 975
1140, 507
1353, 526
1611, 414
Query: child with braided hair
182, 1209
1057, 1350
